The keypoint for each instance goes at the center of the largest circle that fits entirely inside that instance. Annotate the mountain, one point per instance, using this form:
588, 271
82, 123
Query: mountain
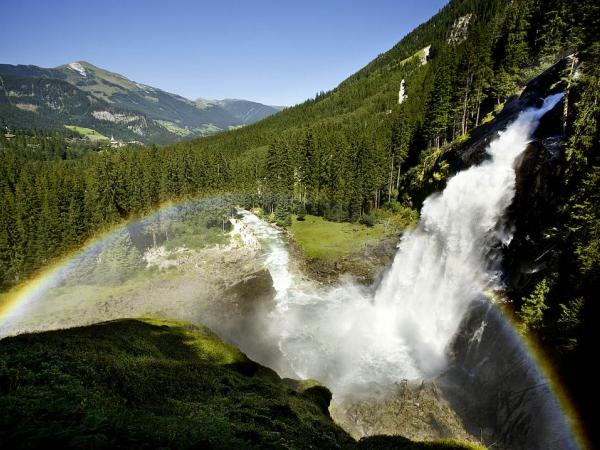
51, 103
246, 111
82, 94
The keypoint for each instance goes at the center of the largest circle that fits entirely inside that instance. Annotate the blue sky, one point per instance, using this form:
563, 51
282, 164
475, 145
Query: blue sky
275, 52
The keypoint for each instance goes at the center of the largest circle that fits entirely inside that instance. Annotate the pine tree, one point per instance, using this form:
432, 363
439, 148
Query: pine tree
531, 314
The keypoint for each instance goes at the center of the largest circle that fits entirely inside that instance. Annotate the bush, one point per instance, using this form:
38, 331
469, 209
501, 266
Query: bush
368, 220
335, 213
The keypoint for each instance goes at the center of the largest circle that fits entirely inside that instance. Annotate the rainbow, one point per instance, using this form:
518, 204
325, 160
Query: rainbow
542, 365
18, 300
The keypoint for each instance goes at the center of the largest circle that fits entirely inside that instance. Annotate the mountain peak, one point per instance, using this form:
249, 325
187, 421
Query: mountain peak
78, 67
116, 105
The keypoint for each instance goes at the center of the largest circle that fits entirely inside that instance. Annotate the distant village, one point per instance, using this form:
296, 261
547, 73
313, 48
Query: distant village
114, 143
118, 144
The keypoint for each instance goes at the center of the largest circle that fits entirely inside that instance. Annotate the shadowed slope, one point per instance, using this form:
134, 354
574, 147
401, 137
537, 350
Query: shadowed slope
149, 384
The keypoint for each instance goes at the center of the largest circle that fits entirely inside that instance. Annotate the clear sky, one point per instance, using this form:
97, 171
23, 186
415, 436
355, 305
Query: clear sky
275, 52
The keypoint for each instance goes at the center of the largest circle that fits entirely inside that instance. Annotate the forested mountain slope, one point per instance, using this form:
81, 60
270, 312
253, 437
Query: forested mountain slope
82, 94
36, 102
353, 146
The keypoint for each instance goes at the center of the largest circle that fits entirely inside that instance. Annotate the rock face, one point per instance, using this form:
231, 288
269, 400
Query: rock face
540, 87
366, 266
402, 93
240, 316
416, 410
534, 208
498, 390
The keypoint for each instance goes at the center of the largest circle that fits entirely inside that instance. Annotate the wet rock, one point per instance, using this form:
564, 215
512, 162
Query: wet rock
366, 266
497, 389
415, 409
235, 313
547, 83
240, 316
535, 205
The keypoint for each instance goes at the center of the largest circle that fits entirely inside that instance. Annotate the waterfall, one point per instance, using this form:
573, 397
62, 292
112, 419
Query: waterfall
358, 340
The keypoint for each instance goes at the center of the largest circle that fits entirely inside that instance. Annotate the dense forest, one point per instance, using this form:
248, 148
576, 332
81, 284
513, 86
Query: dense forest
349, 151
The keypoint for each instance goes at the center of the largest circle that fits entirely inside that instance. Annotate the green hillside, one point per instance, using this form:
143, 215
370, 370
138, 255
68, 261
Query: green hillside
153, 114
53, 103
157, 384
92, 135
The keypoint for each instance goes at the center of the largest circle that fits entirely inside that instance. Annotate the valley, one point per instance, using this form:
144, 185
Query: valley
106, 102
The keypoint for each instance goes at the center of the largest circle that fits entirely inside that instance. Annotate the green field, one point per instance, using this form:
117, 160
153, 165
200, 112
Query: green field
321, 239
207, 128
173, 128
89, 133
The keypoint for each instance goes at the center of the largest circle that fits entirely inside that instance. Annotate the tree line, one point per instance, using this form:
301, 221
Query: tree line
339, 155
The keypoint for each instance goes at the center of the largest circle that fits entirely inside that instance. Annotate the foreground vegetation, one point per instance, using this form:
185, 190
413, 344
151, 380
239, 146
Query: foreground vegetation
157, 384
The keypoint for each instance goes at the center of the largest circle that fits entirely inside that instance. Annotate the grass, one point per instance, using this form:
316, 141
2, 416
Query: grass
143, 383
89, 133
150, 384
419, 54
173, 128
321, 239
207, 128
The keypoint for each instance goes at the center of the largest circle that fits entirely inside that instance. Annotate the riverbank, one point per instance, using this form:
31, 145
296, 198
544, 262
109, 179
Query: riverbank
184, 283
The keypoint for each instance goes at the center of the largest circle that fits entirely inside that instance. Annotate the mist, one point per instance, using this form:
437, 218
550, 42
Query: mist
360, 341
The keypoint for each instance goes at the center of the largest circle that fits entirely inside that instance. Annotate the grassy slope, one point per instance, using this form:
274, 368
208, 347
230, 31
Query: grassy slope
149, 384
321, 239
89, 133
330, 249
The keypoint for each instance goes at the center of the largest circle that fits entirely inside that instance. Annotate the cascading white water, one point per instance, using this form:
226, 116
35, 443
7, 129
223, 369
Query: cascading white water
356, 341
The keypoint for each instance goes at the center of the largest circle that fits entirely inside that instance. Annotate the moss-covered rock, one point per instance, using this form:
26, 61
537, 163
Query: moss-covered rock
150, 384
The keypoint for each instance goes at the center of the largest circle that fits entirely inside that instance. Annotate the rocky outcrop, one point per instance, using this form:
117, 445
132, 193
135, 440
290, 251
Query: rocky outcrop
474, 150
415, 409
240, 315
496, 387
366, 266
535, 205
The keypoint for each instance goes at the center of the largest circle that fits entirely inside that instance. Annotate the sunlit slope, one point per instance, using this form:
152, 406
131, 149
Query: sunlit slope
370, 96
158, 116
